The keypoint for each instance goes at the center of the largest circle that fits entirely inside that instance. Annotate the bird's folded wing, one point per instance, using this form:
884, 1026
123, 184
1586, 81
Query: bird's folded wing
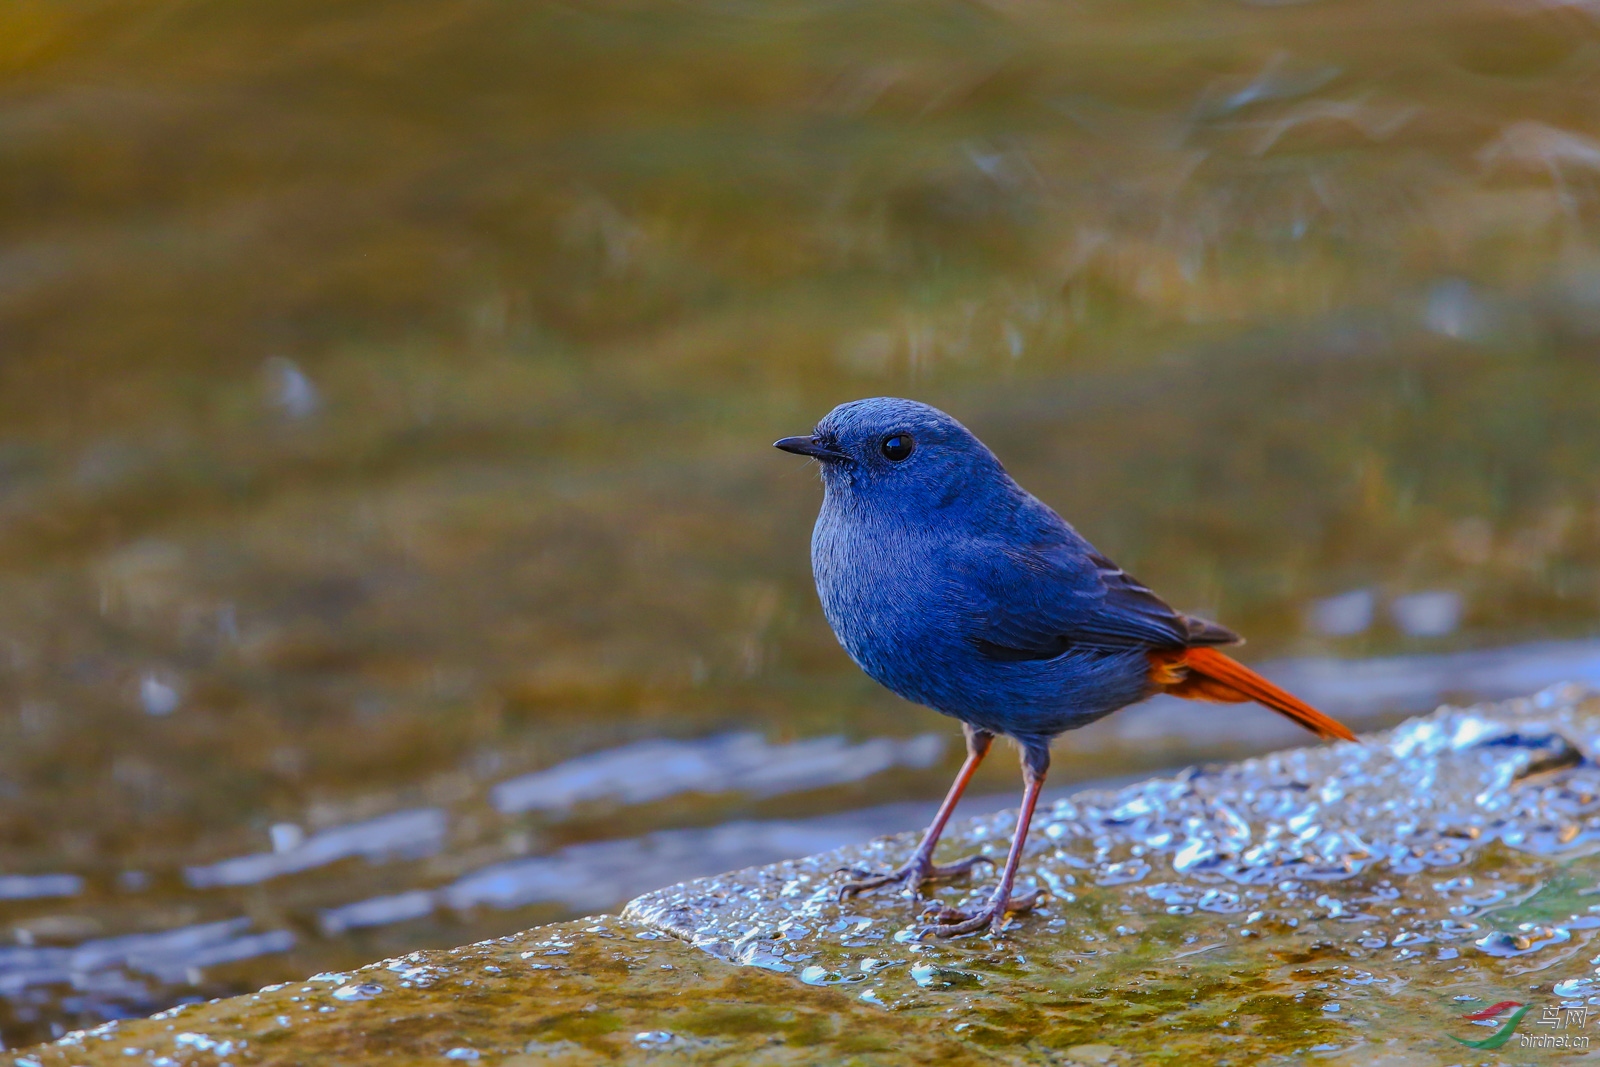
1040, 601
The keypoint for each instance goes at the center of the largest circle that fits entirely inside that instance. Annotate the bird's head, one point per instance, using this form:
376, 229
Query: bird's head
890, 452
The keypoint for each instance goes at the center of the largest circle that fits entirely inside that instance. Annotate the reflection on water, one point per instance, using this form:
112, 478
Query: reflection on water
391, 548
601, 874
171, 956
28, 886
405, 833
651, 770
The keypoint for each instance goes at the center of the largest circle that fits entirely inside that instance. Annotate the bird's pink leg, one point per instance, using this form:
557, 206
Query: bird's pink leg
955, 923
921, 868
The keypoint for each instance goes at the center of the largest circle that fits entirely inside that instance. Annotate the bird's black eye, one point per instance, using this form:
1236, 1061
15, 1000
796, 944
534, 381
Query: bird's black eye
897, 446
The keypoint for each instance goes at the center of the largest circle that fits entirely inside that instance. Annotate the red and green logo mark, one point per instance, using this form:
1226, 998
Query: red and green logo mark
1502, 1035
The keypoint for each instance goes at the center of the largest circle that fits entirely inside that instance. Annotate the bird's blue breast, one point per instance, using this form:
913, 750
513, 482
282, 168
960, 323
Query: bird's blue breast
890, 588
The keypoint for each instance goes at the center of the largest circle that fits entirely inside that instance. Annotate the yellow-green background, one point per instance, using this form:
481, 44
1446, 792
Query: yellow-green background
1274, 301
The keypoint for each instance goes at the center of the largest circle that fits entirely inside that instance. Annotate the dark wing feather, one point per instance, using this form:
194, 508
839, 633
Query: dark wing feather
1042, 600
1129, 609
1206, 632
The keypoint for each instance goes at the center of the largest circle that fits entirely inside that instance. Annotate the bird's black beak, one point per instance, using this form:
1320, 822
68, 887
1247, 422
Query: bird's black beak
808, 446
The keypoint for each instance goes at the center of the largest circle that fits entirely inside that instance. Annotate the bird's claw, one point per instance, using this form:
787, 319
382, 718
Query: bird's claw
913, 874
952, 922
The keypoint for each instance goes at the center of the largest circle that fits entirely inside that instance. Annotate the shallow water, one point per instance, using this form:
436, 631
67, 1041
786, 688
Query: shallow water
387, 389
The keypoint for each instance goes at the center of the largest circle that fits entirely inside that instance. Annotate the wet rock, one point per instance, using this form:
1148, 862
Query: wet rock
587, 992
1317, 899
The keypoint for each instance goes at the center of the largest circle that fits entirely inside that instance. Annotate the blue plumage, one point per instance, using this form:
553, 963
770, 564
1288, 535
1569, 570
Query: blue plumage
954, 587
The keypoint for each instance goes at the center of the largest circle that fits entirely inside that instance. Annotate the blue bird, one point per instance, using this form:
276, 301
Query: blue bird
956, 588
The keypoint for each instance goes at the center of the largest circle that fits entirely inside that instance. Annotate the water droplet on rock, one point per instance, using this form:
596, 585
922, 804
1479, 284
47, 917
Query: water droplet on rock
653, 1038
364, 991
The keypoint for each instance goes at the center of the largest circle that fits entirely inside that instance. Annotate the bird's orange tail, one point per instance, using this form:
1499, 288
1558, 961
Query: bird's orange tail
1206, 674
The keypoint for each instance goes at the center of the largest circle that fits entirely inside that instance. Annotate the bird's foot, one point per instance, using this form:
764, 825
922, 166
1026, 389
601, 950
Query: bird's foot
921, 869
951, 922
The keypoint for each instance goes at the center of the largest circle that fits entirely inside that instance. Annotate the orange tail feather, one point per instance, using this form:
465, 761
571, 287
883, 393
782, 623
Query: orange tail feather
1212, 676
